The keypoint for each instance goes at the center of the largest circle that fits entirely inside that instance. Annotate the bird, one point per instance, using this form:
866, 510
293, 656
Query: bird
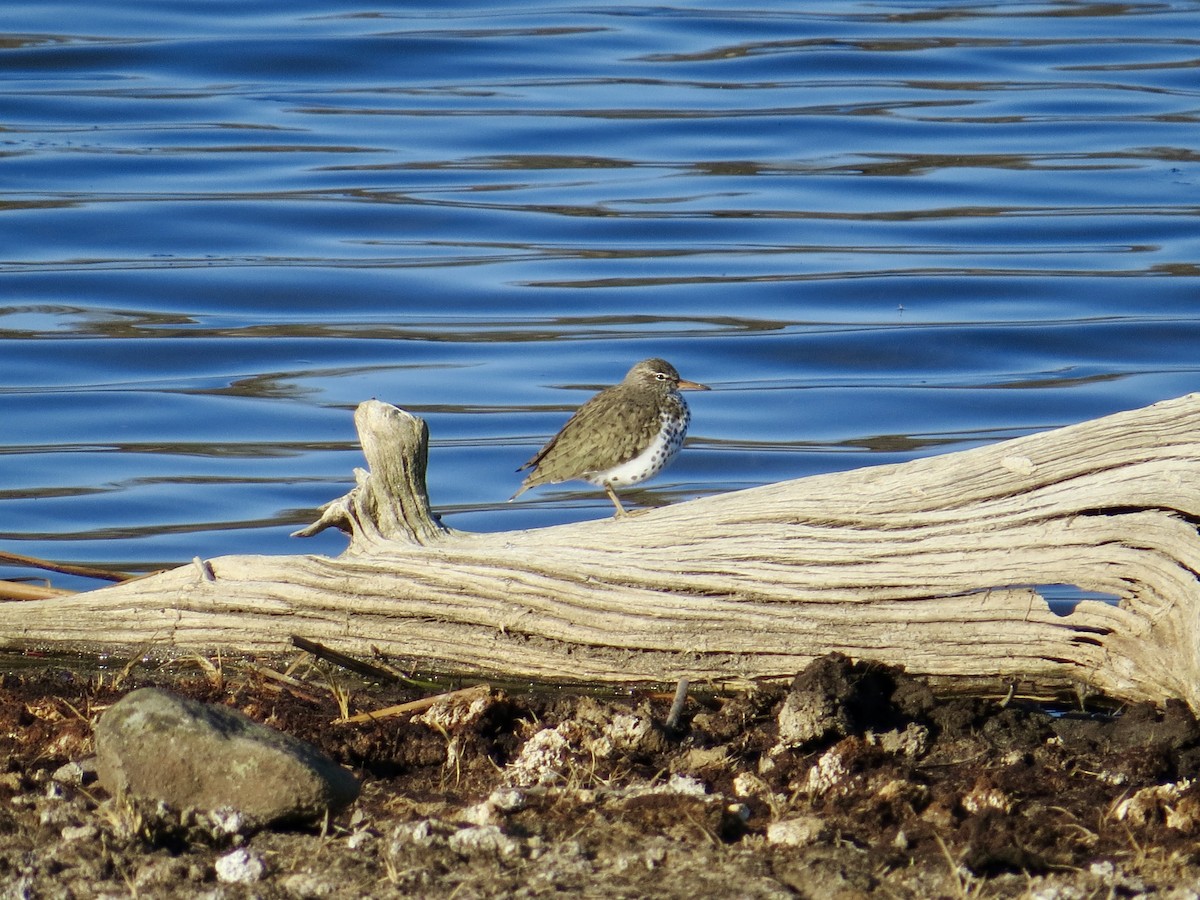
625, 434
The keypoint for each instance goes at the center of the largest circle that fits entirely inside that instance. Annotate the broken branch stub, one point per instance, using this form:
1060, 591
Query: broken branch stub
933, 565
390, 501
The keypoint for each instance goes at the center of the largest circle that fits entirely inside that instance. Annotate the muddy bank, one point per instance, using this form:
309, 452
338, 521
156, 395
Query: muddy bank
853, 781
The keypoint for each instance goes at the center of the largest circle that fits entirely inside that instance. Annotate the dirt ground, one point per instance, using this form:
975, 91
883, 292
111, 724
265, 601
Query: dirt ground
853, 781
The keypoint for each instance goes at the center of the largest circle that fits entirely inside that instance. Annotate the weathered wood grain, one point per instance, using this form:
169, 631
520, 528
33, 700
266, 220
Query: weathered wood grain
928, 564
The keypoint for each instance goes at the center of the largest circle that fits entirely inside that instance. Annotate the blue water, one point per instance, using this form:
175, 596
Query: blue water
877, 230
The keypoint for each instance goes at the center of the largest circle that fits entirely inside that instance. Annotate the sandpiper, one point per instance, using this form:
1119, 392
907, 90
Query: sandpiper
624, 435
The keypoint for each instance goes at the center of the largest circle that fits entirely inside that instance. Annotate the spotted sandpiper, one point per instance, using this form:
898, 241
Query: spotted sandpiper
624, 435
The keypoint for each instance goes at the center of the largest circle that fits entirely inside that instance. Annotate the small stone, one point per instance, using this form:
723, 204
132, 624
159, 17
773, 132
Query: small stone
425, 833
240, 867
359, 839
71, 774
155, 745
479, 814
507, 799
485, 840
798, 832
79, 832
912, 742
227, 820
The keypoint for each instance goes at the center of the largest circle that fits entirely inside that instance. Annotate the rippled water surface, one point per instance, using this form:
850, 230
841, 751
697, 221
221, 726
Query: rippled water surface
878, 230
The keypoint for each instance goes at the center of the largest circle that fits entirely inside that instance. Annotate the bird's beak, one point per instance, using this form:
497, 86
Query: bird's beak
685, 385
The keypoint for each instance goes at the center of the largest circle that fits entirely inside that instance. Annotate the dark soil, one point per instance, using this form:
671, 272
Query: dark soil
853, 781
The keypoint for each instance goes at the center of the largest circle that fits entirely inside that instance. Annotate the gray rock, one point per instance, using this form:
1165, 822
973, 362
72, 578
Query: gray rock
158, 746
75, 774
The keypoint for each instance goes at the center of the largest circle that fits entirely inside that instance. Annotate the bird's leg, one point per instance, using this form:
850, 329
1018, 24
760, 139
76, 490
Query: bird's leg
612, 495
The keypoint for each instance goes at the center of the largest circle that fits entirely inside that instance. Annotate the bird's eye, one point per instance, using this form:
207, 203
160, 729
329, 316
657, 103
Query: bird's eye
660, 376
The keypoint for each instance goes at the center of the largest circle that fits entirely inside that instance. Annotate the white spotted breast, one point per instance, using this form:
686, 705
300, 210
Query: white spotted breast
666, 444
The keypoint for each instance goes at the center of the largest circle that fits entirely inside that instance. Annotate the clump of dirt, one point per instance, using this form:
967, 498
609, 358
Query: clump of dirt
855, 780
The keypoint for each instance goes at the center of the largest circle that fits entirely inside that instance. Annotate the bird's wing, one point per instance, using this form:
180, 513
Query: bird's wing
577, 440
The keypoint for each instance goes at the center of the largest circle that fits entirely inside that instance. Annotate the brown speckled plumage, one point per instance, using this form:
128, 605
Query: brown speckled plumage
614, 428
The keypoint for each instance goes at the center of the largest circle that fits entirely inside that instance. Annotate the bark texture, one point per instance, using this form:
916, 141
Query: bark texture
932, 564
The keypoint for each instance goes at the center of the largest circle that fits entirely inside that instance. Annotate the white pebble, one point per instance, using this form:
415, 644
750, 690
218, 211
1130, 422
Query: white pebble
240, 867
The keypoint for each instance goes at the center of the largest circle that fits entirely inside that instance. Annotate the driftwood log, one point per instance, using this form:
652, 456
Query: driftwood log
933, 565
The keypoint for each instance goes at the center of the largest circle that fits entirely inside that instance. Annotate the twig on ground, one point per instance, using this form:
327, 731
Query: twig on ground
676, 712
320, 651
62, 568
466, 694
